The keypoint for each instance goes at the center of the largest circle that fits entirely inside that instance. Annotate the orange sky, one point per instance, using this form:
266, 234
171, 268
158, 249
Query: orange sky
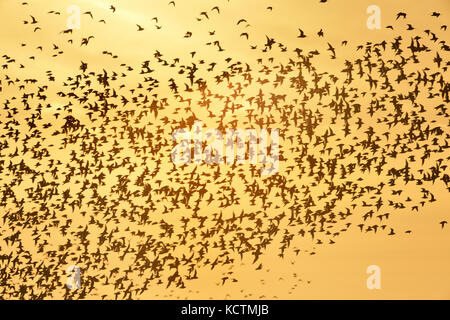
413, 266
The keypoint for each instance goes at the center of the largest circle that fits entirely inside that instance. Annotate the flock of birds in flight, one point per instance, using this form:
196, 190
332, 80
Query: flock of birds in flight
102, 178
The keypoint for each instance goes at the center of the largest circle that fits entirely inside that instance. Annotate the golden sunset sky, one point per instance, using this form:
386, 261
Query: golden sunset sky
413, 265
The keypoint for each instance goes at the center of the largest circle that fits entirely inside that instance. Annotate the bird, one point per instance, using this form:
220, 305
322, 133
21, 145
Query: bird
401, 14
332, 50
33, 20
89, 13
85, 41
302, 34
139, 28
